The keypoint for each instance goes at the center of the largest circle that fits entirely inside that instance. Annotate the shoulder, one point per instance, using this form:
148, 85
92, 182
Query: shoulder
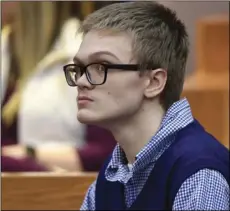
193, 154
206, 189
196, 147
206, 177
199, 171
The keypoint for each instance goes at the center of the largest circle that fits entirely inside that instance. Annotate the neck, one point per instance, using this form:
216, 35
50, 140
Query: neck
133, 133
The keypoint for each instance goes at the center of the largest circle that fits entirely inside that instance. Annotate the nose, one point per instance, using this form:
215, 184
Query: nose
83, 82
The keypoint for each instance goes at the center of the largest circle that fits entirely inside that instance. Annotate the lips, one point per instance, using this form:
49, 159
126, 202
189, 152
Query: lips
83, 98
83, 101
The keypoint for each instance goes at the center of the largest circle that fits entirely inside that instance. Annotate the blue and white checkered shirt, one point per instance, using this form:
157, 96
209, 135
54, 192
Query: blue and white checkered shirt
205, 190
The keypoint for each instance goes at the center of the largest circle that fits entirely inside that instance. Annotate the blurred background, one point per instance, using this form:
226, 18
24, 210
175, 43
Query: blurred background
39, 129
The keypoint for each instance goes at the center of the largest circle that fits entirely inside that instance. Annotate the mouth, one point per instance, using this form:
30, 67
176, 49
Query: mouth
83, 100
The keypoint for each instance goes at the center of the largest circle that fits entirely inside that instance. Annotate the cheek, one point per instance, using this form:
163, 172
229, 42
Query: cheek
125, 95
113, 100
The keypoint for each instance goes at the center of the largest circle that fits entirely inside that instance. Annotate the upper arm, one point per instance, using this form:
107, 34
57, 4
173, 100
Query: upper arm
205, 190
89, 201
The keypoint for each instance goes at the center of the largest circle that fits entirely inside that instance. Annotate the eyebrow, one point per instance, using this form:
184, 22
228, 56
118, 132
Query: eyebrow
76, 59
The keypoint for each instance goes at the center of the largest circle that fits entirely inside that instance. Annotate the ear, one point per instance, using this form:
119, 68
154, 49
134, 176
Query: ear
155, 83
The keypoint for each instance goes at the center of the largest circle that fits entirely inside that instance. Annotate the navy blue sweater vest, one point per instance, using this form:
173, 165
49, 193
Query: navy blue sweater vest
194, 149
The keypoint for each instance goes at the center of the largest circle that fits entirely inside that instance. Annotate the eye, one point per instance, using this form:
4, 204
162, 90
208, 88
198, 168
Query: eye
100, 67
96, 67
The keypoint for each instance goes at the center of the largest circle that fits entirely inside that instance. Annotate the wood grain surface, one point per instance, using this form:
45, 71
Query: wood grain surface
44, 191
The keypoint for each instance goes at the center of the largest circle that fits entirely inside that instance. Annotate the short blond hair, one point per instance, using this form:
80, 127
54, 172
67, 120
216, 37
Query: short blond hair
159, 39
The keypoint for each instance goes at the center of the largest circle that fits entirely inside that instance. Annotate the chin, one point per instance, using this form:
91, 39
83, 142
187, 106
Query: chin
87, 117
93, 118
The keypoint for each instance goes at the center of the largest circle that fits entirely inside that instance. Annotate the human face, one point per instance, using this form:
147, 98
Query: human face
121, 96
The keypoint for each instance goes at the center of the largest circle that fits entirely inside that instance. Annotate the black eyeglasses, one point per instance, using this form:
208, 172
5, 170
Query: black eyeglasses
96, 73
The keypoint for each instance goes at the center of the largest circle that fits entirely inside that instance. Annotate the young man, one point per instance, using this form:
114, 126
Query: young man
130, 71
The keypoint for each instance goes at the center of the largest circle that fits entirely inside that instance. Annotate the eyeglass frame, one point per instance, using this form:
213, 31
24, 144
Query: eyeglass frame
83, 69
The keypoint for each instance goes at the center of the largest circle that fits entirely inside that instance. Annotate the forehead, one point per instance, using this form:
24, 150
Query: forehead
100, 42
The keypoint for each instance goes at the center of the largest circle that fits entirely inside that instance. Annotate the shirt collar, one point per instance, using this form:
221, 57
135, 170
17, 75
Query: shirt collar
118, 157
